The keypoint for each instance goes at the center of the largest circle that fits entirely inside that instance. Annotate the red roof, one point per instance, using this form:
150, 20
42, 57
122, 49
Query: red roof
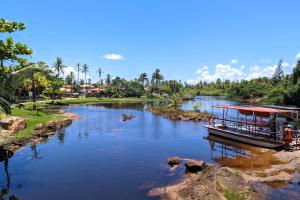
254, 109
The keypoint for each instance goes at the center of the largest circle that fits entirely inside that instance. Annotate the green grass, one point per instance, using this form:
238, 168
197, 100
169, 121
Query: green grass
94, 100
32, 118
232, 193
172, 111
212, 92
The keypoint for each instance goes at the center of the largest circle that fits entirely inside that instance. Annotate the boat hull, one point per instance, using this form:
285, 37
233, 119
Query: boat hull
248, 139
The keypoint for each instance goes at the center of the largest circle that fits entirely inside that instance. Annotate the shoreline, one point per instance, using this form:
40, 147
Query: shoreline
38, 131
267, 167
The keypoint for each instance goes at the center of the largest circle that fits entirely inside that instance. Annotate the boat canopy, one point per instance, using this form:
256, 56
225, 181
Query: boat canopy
258, 111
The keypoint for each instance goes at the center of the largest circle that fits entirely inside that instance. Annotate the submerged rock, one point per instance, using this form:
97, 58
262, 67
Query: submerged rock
172, 161
195, 166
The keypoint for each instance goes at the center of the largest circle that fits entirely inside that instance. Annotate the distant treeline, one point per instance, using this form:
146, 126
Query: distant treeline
280, 89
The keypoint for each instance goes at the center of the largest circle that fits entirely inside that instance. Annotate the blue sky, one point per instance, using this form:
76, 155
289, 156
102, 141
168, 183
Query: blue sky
229, 39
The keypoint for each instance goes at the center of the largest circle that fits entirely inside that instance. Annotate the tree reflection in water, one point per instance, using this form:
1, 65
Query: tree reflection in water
4, 157
61, 136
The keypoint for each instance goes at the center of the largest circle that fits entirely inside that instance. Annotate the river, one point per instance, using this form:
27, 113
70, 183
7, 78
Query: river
102, 157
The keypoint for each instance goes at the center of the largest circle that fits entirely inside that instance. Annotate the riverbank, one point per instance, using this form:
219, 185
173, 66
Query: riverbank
210, 182
36, 124
94, 100
238, 178
177, 114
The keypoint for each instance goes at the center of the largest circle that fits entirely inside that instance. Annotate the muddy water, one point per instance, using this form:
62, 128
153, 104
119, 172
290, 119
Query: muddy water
102, 157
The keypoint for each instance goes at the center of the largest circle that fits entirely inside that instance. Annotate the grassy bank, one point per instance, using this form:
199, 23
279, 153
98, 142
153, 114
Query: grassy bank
33, 118
94, 100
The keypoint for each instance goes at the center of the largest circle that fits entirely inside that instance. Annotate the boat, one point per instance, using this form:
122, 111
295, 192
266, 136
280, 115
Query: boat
259, 126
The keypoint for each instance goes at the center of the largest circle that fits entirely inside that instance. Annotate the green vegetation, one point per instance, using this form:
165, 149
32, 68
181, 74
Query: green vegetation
280, 89
33, 118
171, 111
232, 193
105, 100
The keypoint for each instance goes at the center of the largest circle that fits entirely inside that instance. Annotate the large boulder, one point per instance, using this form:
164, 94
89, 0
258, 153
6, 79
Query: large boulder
195, 166
172, 161
13, 124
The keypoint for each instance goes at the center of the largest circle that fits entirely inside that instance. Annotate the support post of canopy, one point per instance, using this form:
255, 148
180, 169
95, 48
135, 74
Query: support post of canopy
276, 125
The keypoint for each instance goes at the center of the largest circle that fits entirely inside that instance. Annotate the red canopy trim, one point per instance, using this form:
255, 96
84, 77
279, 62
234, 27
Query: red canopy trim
259, 111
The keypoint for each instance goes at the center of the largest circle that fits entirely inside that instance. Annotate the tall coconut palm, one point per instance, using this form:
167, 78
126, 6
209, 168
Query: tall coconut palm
143, 78
78, 71
58, 67
85, 70
157, 77
99, 71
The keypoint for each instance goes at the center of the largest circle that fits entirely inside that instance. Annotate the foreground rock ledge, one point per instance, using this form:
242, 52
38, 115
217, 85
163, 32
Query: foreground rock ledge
212, 183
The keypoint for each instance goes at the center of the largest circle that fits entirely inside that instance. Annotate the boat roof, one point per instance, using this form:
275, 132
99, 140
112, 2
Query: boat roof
254, 109
291, 108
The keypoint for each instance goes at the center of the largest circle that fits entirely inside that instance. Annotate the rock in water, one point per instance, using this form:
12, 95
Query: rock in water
125, 117
194, 166
172, 161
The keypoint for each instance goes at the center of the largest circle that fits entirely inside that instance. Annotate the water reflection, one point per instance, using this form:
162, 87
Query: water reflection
4, 158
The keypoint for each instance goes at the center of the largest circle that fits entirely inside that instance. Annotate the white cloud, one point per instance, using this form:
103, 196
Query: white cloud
298, 56
285, 64
257, 71
228, 72
113, 56
234, 61
70, 69
222, 72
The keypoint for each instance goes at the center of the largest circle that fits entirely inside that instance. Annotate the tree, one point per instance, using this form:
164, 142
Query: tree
175, 101
278, 74
142, 78
133, 89
296, 73
85, 70
58, 67
108, 79
99, 71
78, 71
157, 77
70, 78
9, 49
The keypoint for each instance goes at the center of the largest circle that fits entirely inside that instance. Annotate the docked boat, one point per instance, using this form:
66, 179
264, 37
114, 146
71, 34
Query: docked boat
259, 126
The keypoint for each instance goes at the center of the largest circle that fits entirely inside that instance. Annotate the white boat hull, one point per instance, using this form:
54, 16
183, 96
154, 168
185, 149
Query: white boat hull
257, 141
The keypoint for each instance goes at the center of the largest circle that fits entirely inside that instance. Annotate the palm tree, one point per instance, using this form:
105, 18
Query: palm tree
42, 64
143, 78
58, 66
85, 70
157, 77
99, 71
78, 69
108, 79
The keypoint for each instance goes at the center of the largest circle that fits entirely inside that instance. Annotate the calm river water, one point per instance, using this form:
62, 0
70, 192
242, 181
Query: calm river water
102, 157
